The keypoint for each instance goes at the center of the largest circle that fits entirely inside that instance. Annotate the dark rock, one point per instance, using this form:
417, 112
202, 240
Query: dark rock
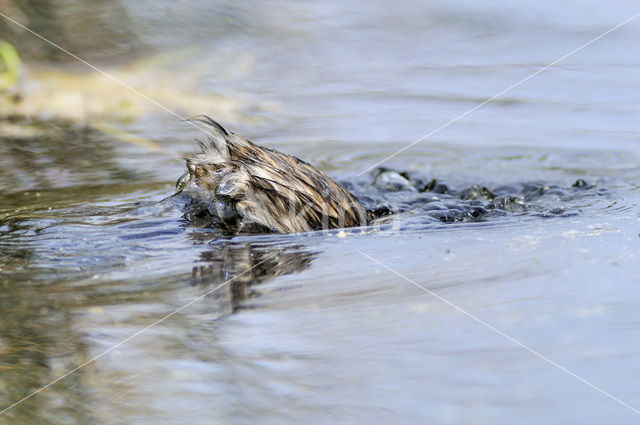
477, 192
581, 184
509, 203
393, 181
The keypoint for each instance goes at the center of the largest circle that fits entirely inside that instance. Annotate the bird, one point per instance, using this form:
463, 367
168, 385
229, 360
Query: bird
243, 187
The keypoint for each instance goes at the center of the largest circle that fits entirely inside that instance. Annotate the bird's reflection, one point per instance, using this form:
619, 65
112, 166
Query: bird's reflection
239, 268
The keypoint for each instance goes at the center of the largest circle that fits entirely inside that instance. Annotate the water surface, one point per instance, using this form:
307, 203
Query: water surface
310, 329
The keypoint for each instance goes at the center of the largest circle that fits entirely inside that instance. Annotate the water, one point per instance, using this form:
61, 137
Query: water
311, 328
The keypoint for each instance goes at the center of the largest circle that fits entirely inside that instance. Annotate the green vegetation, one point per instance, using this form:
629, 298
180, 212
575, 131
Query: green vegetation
9, 65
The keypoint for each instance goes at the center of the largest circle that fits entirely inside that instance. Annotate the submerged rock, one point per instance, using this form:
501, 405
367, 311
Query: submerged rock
582, 184
477, 192
435, 187
393, 181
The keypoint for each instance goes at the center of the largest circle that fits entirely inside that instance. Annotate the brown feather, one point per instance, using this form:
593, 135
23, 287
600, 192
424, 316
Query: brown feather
277, 191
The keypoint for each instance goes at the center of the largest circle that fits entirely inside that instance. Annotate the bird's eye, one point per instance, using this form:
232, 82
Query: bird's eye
182, 181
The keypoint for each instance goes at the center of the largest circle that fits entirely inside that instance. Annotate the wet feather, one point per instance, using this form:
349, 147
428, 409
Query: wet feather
264, 187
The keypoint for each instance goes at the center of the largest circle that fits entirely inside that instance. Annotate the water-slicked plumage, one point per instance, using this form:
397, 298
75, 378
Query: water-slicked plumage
247, 185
